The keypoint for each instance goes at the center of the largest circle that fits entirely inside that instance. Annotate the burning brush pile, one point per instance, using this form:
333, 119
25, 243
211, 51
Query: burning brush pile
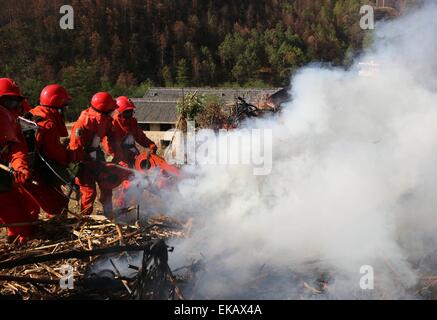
91, 258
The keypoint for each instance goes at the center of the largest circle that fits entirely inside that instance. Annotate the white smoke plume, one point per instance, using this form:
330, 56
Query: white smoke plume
353, 183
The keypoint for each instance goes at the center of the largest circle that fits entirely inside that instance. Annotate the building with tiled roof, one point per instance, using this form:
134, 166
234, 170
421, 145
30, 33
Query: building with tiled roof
158, 106
156, 111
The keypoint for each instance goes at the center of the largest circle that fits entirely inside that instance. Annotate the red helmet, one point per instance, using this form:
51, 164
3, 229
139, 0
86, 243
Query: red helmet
124, 104
7, 132
55, 96
9, 88
103, 102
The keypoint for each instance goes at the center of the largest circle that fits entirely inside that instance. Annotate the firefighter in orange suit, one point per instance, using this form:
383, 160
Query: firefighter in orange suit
17, 205
87, 143
126, 133
53, 156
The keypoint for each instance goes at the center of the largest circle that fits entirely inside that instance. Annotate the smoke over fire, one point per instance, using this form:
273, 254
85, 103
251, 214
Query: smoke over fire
353, 182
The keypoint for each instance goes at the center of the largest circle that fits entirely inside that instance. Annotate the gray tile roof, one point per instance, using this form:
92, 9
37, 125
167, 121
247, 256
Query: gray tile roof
228, 94
155, 112
159, 104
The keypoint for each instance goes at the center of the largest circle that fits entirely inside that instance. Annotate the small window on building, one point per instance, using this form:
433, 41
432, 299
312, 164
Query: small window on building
166, 126
145, 126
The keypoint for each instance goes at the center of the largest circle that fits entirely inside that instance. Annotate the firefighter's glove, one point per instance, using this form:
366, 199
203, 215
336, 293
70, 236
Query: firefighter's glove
21, 176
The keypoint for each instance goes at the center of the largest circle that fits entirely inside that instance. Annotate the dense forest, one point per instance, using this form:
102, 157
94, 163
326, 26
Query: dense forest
125, 46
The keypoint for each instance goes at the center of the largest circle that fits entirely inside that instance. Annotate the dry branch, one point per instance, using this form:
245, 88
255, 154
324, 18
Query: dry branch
32, 271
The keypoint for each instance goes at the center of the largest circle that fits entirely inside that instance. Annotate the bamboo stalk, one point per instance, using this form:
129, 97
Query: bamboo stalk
28, 279
20, 224
74, 254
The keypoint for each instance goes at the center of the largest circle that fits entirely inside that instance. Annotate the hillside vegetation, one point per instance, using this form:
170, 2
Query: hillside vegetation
125, 46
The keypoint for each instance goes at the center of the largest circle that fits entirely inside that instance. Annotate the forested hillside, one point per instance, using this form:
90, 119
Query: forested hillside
126, 45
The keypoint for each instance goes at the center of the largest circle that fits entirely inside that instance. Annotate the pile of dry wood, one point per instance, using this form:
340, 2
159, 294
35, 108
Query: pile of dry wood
212, 113
65, 247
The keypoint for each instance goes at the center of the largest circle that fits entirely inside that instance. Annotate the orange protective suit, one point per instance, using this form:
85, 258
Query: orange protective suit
17, 205
48, 192
87, 137
127, 132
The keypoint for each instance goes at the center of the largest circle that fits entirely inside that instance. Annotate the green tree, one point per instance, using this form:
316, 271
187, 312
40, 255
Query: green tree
167, 77
208, 70
182, 72
82, 80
